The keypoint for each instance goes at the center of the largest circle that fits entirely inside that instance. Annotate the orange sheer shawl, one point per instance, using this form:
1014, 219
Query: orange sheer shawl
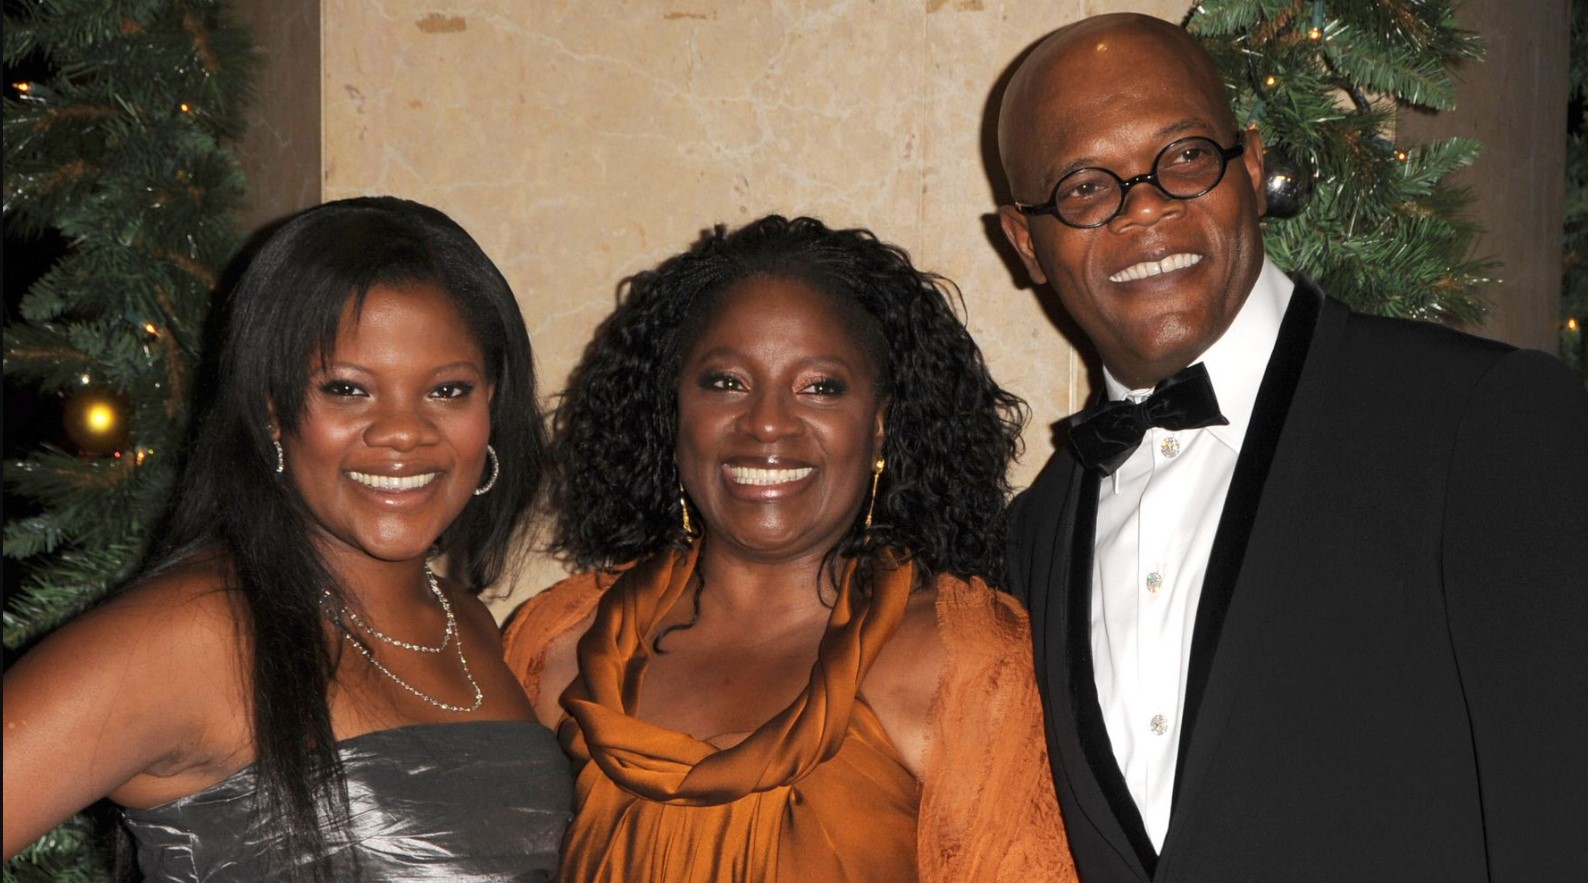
819, 792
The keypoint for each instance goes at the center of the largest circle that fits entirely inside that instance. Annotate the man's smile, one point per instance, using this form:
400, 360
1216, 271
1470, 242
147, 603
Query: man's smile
1147, 269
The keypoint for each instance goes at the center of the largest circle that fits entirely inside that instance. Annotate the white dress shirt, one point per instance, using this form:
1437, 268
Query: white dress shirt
1156, 519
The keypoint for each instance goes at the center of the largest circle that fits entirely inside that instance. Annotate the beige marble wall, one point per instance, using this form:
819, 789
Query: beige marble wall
582, 141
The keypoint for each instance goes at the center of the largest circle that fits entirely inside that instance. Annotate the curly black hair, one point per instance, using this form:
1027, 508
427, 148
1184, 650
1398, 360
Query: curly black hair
951, 433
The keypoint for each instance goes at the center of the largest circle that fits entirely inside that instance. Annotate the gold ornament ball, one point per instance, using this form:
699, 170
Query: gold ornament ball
96, 420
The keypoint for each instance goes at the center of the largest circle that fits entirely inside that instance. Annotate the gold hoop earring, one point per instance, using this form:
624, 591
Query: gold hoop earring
876, 473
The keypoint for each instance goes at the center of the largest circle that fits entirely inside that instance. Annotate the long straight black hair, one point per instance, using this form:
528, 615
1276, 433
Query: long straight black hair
284, 315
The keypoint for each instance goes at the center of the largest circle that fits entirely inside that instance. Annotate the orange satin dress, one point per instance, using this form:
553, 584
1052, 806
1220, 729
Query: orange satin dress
818, 792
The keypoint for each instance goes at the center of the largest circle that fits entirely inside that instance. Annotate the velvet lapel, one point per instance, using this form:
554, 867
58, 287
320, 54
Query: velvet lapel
1207, 708
1090, 727
1059, 560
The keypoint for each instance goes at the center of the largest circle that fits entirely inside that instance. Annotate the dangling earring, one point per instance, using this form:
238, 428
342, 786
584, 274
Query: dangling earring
683, 506
281, 457
496, 469
876, 473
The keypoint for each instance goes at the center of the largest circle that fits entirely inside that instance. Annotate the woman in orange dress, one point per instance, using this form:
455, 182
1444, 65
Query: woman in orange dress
781, 469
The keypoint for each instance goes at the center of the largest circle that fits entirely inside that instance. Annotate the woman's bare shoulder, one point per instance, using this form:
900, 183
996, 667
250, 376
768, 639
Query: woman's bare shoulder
146, 686
903, 681
952, 629
186, 612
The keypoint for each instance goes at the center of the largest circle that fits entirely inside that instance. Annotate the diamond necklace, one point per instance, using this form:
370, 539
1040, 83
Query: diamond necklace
451, 634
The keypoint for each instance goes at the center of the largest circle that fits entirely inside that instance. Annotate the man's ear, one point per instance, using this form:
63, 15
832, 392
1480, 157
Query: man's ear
1017, 229
1253, 160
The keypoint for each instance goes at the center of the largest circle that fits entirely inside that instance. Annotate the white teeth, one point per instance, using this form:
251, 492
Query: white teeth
393, 482
747, 475
1156, 268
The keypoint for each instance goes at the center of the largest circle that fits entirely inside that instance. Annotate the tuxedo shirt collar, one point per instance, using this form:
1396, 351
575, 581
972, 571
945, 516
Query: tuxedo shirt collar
1237, 360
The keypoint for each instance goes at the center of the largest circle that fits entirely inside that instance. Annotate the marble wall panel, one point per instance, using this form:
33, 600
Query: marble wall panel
581, 142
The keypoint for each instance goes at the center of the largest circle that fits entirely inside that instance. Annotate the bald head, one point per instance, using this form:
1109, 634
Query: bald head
1157, 282
1105, 58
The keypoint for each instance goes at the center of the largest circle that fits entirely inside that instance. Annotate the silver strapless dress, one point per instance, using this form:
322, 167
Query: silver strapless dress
474, 801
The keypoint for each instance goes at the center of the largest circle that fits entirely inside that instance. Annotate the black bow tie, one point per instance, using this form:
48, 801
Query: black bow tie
1107, 437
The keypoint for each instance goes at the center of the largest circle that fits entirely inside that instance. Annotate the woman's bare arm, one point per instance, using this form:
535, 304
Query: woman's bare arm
138, 700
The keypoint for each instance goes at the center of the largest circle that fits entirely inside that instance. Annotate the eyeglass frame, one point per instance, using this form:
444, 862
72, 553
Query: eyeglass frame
1051, 207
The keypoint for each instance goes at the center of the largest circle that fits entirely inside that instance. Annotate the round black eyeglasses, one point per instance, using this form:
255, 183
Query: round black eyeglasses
1092, 197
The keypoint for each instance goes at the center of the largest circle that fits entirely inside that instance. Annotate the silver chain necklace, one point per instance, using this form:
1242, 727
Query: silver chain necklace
446, 637
451, 635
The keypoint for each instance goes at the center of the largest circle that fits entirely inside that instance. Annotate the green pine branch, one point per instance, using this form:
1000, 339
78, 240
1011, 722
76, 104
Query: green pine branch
1416, 78
56, 594
123, 151
1322, 81
73, 852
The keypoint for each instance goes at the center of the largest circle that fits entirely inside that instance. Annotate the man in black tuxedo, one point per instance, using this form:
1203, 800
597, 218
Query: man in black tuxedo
1314, 607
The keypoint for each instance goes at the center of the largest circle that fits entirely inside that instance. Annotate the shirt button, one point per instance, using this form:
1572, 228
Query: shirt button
1154, 582
1160, 725
1169, 447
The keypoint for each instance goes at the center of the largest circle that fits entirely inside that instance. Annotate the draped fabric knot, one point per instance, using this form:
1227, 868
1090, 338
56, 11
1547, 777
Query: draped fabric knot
666, 766
1105, 439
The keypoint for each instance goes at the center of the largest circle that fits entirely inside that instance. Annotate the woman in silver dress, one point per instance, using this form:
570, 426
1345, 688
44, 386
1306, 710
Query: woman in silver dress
289, 691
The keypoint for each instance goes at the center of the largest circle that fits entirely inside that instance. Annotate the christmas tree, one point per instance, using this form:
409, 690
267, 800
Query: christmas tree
1371, 220
119, 148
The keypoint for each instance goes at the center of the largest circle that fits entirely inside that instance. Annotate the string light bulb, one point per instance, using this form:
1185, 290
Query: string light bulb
186, 108
24, 88
1401, 155
1315, 34
151, 329
1271, 81
1571, 323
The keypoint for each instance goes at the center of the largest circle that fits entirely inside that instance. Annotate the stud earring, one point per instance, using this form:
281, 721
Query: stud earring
496, 469
876, 473
281, 457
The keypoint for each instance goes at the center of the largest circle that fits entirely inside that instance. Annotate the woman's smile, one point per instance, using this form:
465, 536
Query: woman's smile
767, 482
750, 475
393, 483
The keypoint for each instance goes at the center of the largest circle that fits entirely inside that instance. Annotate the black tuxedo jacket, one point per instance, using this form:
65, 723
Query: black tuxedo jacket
1388, 665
